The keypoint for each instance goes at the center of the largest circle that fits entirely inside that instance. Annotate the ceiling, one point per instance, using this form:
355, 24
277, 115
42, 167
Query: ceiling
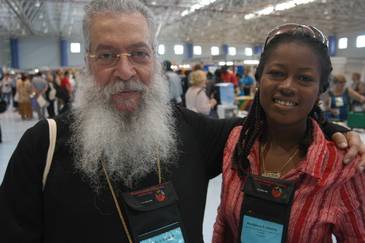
220, 21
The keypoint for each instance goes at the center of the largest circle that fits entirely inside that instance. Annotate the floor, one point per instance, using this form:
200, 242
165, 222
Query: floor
13, 127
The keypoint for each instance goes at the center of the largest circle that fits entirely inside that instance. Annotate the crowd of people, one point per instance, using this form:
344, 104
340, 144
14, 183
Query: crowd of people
131, 165
47, 93
341, 98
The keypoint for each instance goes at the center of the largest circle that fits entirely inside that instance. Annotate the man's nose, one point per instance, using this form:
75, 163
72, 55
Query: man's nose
124, 68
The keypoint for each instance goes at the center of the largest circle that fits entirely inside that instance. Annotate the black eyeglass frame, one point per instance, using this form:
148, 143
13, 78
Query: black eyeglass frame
296, 28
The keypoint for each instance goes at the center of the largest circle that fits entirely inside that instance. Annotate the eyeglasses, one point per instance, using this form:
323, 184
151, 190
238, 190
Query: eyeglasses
111, 58
297, 28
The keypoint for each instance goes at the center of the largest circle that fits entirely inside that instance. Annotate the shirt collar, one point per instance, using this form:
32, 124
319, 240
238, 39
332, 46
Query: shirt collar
313, 165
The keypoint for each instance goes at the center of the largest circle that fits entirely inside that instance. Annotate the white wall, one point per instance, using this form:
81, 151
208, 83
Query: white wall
76, 59
206, 56
4, 52
39, 52
351, 51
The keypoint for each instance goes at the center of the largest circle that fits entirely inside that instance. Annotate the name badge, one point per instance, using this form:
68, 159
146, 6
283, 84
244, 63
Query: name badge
261, 231
339, 102
154, 215
170, 234
265, 210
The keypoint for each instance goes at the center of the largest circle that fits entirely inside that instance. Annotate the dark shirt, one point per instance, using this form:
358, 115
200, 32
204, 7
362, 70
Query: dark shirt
70, 211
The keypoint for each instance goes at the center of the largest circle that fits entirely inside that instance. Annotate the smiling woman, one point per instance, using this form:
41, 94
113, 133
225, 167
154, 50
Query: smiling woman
295, 186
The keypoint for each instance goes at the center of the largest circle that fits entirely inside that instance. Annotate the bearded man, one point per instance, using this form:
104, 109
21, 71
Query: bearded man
127, 166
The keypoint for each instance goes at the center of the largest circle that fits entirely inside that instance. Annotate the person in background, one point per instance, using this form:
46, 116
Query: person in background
337, 104
227, 76
124, 129
196, 98
281, 139
246, 82
357, 86
40, 87
13, 91
25, 90
51, 95
356, 79
6, 88
174, 83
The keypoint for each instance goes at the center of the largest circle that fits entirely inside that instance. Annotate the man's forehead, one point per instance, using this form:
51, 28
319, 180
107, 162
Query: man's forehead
109, 26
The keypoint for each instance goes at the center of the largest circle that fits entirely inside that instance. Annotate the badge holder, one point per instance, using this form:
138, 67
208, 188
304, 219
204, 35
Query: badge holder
152, 213
266, 209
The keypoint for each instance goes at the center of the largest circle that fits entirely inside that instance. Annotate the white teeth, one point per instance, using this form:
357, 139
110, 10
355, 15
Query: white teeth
286, 103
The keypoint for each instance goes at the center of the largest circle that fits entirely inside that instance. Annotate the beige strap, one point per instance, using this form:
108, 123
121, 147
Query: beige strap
52, 143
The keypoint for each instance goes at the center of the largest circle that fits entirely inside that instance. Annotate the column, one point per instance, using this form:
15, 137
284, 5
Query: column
14, 53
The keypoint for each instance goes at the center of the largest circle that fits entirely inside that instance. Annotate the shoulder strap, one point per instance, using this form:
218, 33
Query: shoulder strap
52, 142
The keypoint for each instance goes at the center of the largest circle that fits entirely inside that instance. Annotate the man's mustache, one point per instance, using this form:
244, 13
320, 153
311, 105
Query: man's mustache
122, 85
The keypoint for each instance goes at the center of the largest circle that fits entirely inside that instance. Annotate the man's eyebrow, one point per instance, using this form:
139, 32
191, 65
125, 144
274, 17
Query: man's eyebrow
139, 45
103, 46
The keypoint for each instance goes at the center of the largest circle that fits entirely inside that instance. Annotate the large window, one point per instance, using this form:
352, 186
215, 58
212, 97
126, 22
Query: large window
248, 51
75, 47
342, 43
232, 51
161, 49
179, 49
360, 41
197, 50
214, 50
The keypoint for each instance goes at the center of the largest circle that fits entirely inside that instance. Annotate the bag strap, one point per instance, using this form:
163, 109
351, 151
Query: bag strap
52, 142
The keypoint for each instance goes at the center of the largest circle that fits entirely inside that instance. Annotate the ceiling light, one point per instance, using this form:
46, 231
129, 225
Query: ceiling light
277, 7
251, 62
196, 7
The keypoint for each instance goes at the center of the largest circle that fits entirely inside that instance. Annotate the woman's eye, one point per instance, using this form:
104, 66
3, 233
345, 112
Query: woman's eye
276, 74
305, 78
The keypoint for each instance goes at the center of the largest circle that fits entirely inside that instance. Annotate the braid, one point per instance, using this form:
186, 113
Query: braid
252, 128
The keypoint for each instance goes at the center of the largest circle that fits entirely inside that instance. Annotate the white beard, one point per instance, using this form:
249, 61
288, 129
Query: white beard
129, 142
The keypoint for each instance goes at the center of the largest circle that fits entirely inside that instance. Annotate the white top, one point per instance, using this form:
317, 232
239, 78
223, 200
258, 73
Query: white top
197, 100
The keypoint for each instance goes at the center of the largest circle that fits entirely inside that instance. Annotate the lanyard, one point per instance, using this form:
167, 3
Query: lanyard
117, 205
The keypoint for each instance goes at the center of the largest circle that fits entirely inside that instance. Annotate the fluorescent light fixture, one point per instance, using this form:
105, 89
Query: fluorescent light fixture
221, 63
197, 50
277, 7
229, 63
179, 49
266, 11
284, 6
232, 51
342, 43
196, 6
250, 16
214, 50
251, 62
161, 49
75, 47
360, 41
174, 67
248, 51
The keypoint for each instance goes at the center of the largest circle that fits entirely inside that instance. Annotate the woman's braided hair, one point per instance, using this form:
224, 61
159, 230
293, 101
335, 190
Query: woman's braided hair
254, 125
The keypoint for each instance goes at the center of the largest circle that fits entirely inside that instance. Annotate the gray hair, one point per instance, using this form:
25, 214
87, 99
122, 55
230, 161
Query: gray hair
117, 6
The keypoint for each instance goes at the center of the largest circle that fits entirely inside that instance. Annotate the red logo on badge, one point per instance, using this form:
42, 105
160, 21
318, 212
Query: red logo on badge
276, 192
160, 196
